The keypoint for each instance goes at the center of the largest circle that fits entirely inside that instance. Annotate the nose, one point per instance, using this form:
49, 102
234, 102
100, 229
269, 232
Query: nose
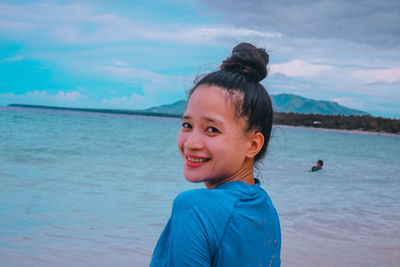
194, 141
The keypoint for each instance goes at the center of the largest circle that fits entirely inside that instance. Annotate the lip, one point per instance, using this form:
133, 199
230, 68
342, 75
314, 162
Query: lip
192, 164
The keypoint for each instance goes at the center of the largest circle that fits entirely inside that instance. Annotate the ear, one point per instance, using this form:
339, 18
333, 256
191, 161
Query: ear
256, 143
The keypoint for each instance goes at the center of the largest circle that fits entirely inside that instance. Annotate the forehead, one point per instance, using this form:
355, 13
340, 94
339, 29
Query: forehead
212, 102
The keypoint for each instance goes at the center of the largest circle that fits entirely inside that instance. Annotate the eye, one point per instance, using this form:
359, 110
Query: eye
186, 125
212, 130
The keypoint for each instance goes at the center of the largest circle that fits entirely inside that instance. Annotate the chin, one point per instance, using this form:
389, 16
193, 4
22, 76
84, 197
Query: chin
193, 178
198, 178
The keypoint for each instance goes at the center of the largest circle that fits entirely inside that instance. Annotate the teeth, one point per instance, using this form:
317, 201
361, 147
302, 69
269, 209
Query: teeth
198, 160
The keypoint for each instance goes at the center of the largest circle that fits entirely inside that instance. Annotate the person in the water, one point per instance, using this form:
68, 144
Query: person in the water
317, 167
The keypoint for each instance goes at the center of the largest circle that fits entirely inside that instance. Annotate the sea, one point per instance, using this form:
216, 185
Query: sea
94, 189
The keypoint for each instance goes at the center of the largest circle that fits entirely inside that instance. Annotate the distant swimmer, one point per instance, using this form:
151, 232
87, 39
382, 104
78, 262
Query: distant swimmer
317, 167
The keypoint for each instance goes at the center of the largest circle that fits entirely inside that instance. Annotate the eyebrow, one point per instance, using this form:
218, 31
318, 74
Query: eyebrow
186, 117
214, 121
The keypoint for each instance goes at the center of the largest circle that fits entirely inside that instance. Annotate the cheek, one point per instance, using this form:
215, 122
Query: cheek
236, 149
221, 149
181, 140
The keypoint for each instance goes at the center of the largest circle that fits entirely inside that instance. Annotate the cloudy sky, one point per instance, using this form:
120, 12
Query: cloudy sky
137, 54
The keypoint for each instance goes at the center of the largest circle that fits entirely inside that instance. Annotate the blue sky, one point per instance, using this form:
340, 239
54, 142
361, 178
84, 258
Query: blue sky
138, 54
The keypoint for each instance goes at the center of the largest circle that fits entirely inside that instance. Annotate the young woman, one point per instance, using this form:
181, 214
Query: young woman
225, 130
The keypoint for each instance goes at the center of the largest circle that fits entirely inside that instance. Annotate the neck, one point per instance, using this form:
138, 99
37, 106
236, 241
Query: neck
244, 174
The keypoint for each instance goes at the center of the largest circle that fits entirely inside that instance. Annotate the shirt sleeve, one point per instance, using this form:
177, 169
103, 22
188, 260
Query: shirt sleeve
184, 241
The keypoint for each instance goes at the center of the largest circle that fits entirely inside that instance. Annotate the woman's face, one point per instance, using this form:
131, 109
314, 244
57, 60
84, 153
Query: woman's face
212, 141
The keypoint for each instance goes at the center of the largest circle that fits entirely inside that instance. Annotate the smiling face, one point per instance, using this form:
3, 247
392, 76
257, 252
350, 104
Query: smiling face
213, 141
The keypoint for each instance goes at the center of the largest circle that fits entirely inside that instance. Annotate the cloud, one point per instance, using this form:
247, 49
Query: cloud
120, 63
379, 106
349, 102
137, 101
11, 59
7, 25
221, 32
148, 79
298, 68
368, 22
37, 97
71, 96
152, 88
83, 24
133, 73
120, 71
134, 101
324, 49
377, 76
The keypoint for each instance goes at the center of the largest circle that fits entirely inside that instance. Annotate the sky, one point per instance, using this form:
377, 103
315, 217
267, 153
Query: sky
138, 54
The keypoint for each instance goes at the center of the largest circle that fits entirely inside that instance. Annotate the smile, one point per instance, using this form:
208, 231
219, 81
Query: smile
197, 159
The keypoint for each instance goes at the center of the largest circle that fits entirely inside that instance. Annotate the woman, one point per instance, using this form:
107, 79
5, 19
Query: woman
225, 130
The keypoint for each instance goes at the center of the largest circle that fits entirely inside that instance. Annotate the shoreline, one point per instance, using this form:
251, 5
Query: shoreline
338, 130
167, 115
99, 110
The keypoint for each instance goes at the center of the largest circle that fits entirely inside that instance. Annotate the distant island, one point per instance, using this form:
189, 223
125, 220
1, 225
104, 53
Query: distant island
101, 110
296, 110
284, 103
341, 122
290, 110
289, 103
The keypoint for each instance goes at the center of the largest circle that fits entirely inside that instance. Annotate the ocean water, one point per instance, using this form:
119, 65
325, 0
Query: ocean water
90, 189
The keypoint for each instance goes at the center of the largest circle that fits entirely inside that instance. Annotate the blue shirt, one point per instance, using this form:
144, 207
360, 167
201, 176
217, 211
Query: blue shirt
315, 168
234, 224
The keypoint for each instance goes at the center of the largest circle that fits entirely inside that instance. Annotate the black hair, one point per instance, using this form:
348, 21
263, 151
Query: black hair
242, 72
320, 162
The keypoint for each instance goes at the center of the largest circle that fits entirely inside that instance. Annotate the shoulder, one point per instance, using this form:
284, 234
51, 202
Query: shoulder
200, 198
205, 201
203, 211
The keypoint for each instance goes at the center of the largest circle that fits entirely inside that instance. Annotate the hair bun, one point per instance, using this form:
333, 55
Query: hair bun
249, 60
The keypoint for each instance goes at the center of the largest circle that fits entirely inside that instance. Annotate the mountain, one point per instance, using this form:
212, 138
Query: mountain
174, 108
282, 103
297, 104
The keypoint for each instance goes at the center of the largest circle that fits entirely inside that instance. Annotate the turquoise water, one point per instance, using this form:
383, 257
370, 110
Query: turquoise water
88, 189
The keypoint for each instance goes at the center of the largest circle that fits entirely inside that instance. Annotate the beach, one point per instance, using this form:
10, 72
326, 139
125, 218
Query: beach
84, 189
